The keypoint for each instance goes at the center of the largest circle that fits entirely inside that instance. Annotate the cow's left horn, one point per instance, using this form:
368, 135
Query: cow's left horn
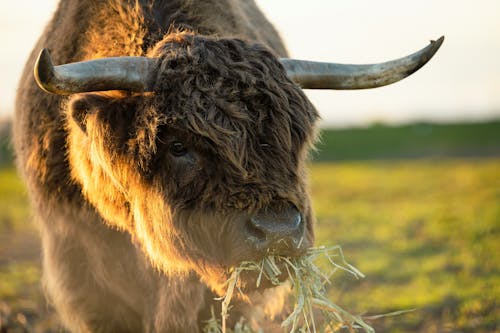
119, 73
320, 75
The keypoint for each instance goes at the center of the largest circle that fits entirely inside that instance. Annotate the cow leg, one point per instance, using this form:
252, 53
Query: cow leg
179, 303
93, 277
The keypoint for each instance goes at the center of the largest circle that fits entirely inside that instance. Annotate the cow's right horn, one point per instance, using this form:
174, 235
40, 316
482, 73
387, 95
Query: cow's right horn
321, 75
118, 73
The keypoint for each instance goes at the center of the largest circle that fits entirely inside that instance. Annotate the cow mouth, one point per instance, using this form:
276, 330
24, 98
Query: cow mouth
267, 267
257, 280
270, 271
252, 276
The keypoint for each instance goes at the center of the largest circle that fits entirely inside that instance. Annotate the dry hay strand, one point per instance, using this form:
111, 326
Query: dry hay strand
308, 283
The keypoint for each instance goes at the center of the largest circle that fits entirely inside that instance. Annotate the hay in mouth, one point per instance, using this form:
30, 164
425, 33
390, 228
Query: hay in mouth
308, 283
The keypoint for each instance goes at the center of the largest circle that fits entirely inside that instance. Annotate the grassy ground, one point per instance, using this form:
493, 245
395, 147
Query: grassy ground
21, 301
425, 232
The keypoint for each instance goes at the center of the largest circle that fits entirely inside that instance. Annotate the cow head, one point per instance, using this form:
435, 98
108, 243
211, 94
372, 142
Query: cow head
198, 150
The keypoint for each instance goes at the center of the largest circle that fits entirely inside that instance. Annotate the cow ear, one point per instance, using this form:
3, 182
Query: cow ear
82, 105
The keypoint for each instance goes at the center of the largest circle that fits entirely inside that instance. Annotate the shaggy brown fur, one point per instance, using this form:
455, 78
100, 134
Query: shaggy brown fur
136, 238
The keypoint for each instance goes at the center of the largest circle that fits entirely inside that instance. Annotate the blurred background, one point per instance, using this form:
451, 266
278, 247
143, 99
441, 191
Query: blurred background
406, 177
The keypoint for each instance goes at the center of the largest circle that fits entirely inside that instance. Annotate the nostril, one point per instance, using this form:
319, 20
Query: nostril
254, 231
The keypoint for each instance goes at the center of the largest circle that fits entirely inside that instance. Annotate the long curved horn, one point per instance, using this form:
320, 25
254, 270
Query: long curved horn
320, 75
119, 73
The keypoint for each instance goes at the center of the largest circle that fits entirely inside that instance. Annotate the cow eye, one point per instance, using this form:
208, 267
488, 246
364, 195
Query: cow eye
178, 149
265, 145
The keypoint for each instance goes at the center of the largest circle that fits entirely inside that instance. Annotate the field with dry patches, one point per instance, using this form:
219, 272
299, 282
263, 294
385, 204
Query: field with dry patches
426, 234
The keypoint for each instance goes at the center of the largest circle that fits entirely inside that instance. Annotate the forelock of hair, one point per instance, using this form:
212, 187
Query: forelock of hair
231, 93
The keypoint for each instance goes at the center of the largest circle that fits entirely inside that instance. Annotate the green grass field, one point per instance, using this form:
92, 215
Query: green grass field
425, 232
410, 141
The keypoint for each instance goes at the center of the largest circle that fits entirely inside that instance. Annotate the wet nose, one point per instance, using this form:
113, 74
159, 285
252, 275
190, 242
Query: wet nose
281, 229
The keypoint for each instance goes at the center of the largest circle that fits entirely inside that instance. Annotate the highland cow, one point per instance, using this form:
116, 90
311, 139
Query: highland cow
174, 156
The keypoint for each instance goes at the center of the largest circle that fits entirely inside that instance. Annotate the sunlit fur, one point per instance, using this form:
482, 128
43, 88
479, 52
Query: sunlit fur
135, 238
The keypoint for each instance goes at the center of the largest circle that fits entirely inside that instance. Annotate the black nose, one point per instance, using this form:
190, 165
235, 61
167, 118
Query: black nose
280, 229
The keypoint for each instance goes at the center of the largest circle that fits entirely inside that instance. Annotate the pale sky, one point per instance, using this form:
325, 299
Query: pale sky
461, 82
